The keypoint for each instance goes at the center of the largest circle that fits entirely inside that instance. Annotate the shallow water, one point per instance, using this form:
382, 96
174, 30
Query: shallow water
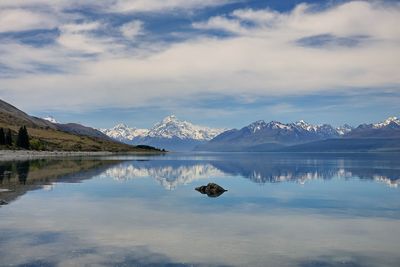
279, 210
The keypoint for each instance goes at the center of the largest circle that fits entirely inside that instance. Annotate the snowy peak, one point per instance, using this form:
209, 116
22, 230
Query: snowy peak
323, 130
123, 132
51, 119
256, 126
344, 129
389, 121
306, 126
169, 119
171, 127
278, 125
121, 126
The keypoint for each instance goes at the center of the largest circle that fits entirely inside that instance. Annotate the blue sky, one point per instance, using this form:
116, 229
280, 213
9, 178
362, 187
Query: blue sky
213, 62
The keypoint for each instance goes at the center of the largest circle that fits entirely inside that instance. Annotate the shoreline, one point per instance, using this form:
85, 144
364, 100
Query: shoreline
9, 155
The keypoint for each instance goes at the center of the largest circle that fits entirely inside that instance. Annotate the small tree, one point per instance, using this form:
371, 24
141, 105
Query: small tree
23, 138
9, 138
2, 137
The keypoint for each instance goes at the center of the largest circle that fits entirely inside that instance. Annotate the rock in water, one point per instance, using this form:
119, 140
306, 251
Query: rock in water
212, 190
3, 202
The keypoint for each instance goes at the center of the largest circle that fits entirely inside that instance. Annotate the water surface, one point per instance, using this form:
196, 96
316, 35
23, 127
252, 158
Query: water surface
279, 210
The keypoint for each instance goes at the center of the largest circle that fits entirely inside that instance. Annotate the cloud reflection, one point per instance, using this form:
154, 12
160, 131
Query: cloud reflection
104, 222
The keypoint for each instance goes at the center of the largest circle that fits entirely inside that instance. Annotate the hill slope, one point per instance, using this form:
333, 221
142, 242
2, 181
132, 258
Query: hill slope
48, 136
13, 116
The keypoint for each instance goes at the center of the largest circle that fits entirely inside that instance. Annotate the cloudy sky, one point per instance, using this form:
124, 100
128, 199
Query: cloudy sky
220, 63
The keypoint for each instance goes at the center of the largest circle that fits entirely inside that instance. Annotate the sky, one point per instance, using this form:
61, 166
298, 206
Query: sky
219, 63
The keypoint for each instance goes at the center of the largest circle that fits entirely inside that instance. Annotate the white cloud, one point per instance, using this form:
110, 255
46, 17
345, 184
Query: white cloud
132, 29
78, 37
124, 6
12, 20
220, 23
163, 5
79, 28
54, 4
262, 58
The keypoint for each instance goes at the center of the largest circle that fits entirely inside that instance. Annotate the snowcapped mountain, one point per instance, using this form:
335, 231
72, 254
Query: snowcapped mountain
171, 127
344, 129
123, 133
323, 130
391, 121
389, 128
177, 135
170, 133
298, 128
51, 119
302, 136
272, 135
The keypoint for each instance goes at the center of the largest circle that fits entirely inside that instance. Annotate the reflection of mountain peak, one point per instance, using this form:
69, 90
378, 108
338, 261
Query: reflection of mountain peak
171, 174
168, 176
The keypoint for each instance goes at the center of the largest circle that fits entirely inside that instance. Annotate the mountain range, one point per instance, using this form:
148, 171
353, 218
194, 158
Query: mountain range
303, 137
177, 135
170, 133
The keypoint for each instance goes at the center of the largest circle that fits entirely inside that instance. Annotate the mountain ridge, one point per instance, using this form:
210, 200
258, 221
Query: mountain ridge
170, 133
276, 136
180, 135
45, 135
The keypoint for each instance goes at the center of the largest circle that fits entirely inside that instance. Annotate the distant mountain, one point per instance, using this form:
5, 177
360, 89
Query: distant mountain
260, 135
51, 119
389, 128
171, 127
124, 133
344, 129
304, 137
171, 134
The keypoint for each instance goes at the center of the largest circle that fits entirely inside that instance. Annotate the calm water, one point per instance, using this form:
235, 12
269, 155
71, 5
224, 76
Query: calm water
279, 210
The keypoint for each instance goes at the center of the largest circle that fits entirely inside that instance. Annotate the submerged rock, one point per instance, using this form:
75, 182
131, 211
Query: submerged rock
212, 190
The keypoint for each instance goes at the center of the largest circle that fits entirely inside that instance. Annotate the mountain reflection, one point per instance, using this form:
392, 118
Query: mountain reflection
168, 174
171, 174
17, 178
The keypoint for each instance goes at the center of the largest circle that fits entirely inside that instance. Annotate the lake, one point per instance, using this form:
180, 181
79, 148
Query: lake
280, 210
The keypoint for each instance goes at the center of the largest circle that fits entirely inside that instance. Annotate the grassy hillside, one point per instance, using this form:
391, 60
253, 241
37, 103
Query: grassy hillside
11, 115
46, 136
49, 139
